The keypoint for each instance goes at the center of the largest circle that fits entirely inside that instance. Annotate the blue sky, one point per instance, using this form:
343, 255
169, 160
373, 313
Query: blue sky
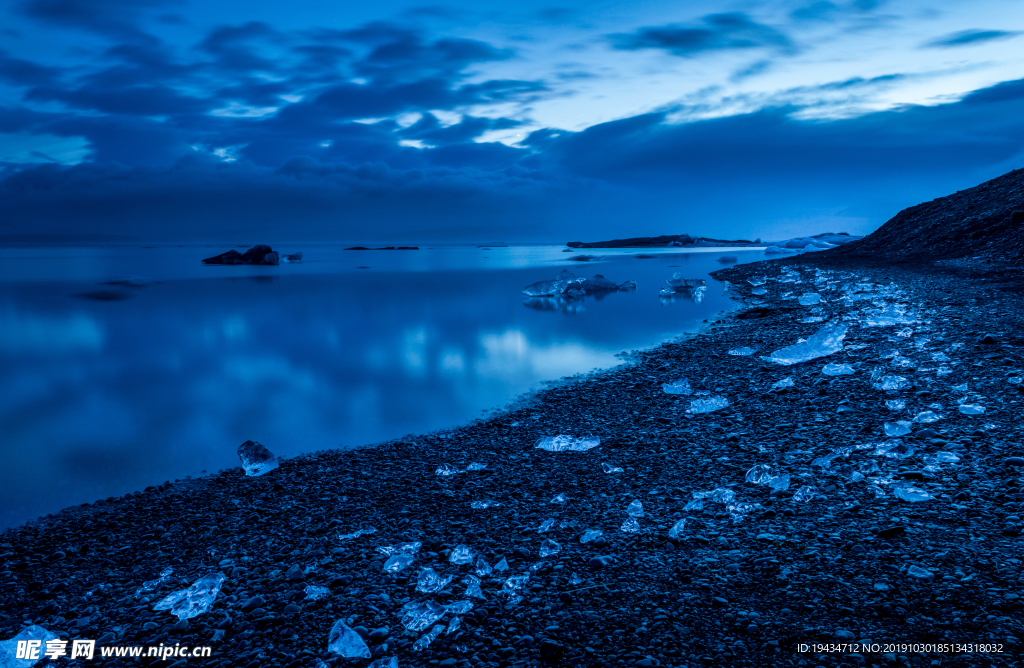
174, 120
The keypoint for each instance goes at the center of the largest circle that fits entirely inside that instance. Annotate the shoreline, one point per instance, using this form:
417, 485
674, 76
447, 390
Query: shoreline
652, 589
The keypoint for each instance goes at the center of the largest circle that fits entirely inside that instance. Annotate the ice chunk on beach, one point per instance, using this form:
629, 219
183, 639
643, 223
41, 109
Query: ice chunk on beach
447, 470
460, 607
809, 299
315, 592
513, 585
911, 494
549, 547
897, 428
560, 498
429, 582
398, 563
472, 583
759, 474
476, 467
894, 449
195, 600
630, 525
708, 405
461, 555
635, 509
590, 535
742, 352
357, 533
677, 528
379, 663
501, 566
891, 383
784, 383
887, 317
681, 386
926, 417
971, 409
481, 505
150, 585
427, 638
562, 442
256, 458
779, 483
739, 511
30, 634
482, 567
895, 404
418, 615
833, 369
805, 493
759, 292
401, 548
826, 341
546, 526
757, 281
608, 468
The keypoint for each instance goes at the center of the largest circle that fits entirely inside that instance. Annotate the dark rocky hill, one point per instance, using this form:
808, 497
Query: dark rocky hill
986, 220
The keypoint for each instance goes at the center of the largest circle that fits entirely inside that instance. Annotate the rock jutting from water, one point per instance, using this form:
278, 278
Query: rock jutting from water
259, 254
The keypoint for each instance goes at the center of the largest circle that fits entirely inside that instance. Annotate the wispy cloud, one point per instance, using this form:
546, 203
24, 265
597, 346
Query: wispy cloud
716, 32
969, 38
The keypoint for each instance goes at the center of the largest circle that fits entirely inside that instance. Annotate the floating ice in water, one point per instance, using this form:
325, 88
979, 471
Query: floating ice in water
894, 449
476, 467
759, 292
9, 648
401, 548
315, 593
630, 525
779, 483
564, 284
563, 442
891, 383
898, 428
590, 534
195, 600
681, 386
480, 505
832, 369
739, 511
971, 409
809, 298
911, 494
429, 582
760, 474
741, 352
887, 317
805, 493
427, 638
549, 547
397, 563
461, 555
677, 528
150, 585
472, 583
826, 341
346, 642
357, 533
482, 567
677, 282
785, 382
546, 526
256, 458
708, 405
608, 468
926, 417
947, 457
895, 404
561, 498
418, 615
447, 470
635, 509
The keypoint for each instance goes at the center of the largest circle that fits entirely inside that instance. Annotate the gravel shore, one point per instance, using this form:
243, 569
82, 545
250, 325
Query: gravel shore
835, 558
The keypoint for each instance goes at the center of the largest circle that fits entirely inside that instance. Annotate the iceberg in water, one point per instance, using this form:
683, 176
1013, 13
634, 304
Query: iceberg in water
826, 341
562, 285
690, 288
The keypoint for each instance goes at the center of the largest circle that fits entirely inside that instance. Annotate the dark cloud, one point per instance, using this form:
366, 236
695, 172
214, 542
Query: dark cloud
969, 38
824, 10
24, 73
717, 32
116, 18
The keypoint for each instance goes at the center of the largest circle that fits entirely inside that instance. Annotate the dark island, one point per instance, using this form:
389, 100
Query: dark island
363, 248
